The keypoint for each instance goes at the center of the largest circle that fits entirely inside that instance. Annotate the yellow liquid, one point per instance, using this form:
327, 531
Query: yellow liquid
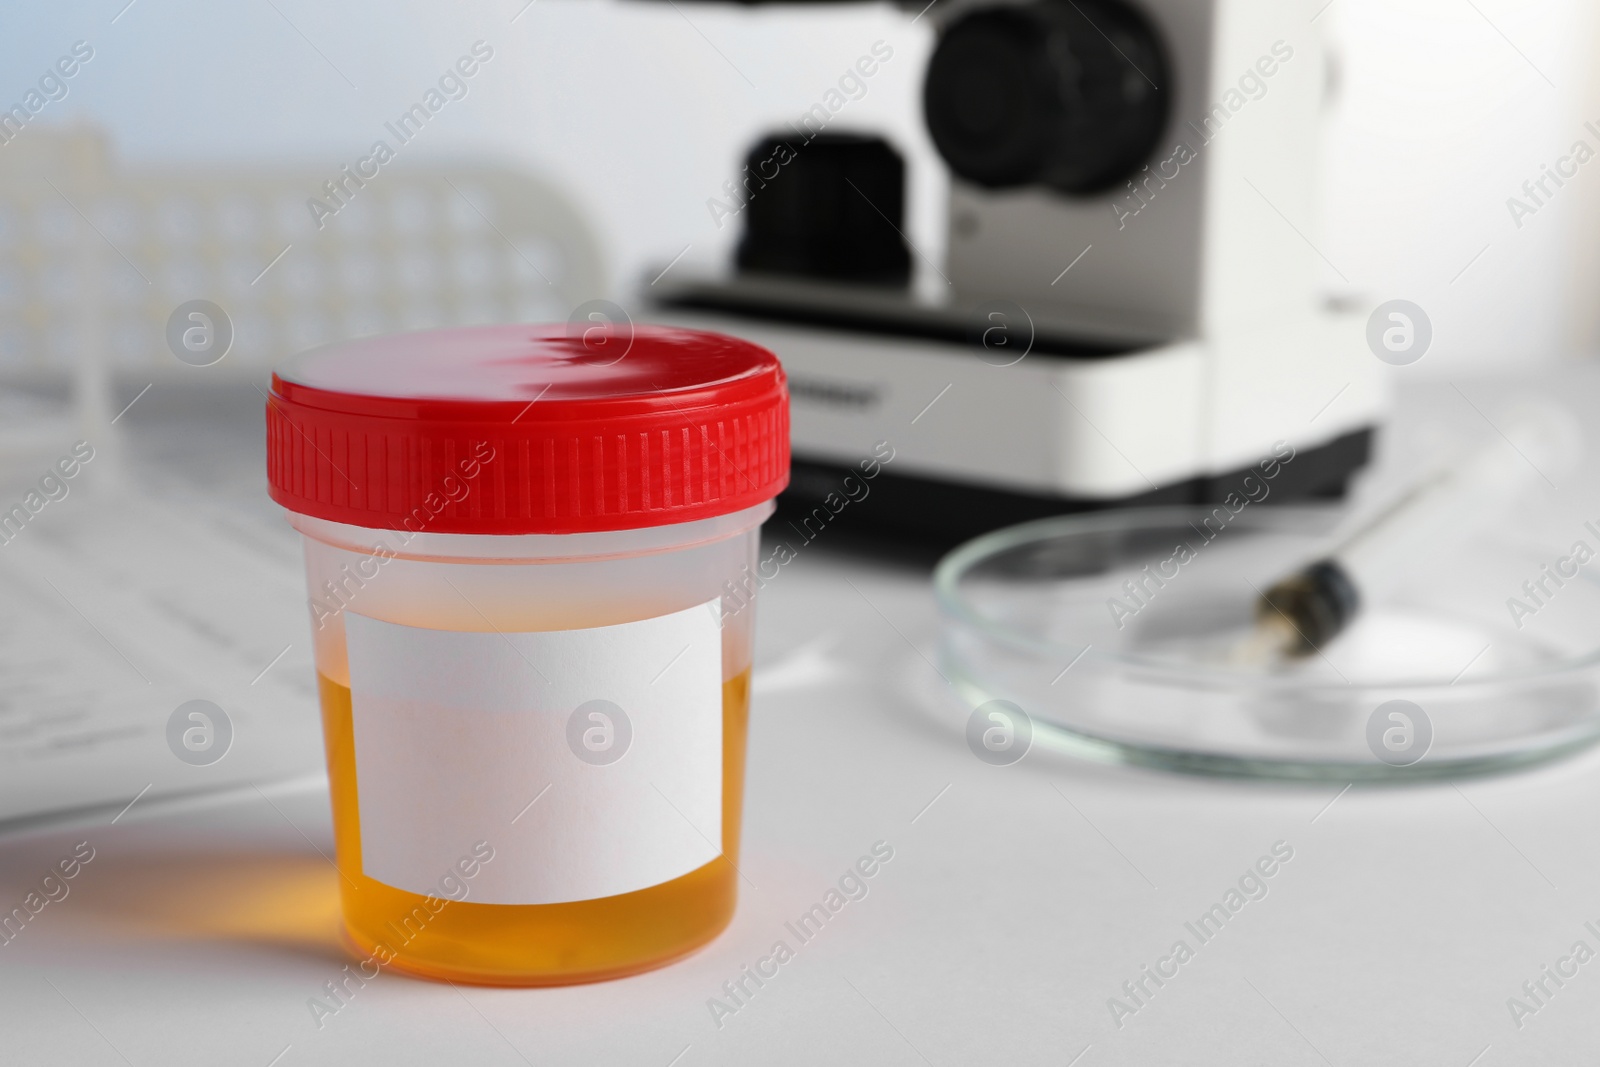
533, 944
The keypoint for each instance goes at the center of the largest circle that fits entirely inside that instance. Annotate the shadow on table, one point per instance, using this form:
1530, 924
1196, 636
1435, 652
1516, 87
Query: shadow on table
278, 901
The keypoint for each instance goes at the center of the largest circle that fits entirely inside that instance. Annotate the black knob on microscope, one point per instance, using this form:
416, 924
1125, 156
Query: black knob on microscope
1070, 94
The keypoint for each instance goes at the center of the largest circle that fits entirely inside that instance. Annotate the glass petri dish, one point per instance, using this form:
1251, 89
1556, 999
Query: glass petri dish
1117, 634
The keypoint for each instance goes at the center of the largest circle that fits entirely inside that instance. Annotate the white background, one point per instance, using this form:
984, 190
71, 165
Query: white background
641, 110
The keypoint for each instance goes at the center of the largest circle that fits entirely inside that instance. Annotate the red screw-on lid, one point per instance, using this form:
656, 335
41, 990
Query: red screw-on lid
528, 429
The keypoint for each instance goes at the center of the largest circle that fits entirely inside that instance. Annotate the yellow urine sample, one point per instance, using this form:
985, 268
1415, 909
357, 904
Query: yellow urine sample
532, 944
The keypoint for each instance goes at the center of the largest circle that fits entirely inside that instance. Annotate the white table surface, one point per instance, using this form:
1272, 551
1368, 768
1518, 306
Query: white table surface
1018, 900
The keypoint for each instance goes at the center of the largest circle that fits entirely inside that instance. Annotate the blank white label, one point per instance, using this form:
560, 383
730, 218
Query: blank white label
457, 734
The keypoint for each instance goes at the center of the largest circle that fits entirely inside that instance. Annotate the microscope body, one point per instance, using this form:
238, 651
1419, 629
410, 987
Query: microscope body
1128, 309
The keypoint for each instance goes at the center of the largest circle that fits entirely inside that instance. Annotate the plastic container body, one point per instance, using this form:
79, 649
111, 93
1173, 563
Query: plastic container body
502, 588
531, 553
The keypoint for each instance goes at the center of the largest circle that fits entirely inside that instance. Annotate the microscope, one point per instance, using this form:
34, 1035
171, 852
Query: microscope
1127, 309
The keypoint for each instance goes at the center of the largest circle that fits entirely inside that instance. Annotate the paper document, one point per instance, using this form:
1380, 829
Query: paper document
120, 607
